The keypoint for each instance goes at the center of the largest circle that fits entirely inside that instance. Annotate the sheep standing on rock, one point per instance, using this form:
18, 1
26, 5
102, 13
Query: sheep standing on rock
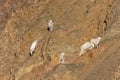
86, 46
50, 25
96, 41
62, 58
33, 46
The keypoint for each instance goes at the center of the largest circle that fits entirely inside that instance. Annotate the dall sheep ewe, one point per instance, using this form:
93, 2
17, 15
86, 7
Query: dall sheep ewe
96, 41
86, 46
62, 58
50, 25
33, 46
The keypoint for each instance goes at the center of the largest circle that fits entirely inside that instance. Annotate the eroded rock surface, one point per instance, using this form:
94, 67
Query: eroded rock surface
75, 22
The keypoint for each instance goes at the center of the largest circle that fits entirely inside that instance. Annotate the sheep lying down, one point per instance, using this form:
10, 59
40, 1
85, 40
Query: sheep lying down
33, 46
90, 45
86, 46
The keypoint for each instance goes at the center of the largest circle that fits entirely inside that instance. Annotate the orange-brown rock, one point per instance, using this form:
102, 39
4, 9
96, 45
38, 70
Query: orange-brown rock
75, 22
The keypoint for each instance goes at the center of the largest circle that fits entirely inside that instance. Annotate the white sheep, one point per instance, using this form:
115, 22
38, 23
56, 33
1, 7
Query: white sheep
33, 46
50, 25
62, 58
86, 46
96, 41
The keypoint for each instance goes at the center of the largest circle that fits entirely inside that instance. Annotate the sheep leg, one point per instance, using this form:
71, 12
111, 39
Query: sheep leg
96, 46
81, 52
61, 60
31, 53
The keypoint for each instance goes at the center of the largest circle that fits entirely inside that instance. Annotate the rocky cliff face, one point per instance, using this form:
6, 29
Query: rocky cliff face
75, 22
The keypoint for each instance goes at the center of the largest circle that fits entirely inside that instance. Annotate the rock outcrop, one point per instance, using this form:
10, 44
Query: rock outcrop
75, 22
